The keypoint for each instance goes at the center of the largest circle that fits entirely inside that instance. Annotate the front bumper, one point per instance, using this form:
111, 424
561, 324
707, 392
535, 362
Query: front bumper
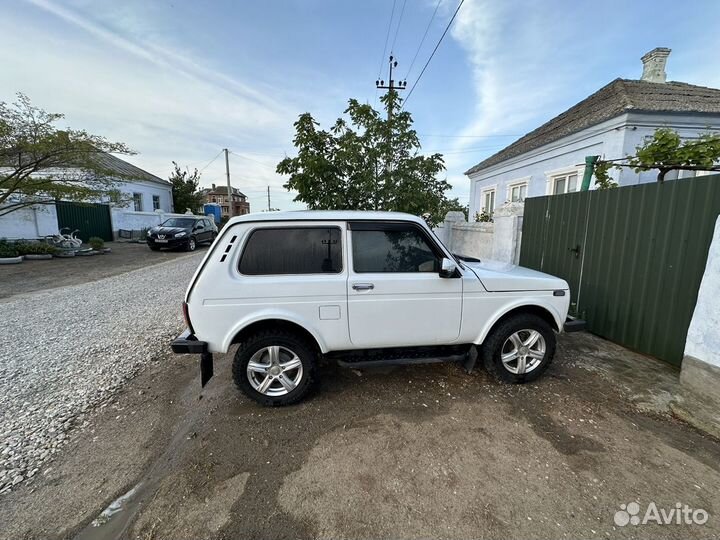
187, 343
171, 243
574, 325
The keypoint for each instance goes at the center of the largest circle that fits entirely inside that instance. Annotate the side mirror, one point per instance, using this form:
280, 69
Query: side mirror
448, 269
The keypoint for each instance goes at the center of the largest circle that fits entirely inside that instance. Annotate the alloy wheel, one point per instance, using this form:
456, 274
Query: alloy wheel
523, 351
274, 371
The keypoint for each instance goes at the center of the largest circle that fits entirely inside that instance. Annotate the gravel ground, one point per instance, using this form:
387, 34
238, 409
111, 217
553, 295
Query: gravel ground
74, 347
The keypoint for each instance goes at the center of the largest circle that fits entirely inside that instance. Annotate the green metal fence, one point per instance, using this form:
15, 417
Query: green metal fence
89, 219
633, 256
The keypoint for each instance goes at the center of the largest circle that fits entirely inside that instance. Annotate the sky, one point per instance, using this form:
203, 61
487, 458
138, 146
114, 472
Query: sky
181, 80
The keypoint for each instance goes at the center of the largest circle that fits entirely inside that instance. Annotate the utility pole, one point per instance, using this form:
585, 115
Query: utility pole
229, 187
401, 85
268, 198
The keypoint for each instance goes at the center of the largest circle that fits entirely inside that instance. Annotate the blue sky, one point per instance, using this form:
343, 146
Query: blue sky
180, 80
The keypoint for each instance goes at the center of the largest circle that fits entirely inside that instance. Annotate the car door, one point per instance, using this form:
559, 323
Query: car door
200, 231
396, 296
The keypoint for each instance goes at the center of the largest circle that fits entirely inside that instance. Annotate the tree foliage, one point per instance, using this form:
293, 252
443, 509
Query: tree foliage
366, 162
185, 189
40, 163
666, 151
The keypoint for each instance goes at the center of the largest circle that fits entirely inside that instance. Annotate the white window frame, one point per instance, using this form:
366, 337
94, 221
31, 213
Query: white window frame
519, 183
483, 192
138, 201
553, 176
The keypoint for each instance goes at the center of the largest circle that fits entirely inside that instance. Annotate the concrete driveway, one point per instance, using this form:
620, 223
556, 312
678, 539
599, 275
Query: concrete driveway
410, 452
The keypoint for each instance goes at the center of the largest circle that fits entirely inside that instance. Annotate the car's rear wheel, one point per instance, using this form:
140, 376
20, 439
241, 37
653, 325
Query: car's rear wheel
519, 349
274, 368
191, 244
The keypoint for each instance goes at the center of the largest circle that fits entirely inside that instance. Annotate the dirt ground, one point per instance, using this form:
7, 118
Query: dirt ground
409, 452
30, 276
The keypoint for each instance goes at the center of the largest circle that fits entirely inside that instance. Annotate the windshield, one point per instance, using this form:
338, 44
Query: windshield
178, 222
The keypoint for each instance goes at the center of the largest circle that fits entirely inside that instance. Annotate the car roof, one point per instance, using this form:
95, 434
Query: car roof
326, 215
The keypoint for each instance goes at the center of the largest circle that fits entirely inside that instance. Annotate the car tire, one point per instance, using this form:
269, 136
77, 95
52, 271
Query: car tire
269, 351
191, 244
154, 248
519, 349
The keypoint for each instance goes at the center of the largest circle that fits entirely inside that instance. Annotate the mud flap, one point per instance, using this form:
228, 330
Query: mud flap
471, 359
206, 368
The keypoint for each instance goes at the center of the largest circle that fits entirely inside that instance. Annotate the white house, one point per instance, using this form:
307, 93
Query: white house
150, 199
611, 123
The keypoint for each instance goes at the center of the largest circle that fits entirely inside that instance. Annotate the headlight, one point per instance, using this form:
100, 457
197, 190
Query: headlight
180, 234
149, 232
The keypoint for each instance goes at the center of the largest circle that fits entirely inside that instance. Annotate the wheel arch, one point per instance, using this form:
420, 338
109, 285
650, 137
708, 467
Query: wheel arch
544, 312
285, 325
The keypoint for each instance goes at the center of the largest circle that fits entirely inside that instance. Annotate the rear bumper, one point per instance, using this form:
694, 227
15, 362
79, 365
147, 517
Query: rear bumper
186, 343
574, 325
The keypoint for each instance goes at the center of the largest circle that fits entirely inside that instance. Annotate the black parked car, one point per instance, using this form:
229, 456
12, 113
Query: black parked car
185, 232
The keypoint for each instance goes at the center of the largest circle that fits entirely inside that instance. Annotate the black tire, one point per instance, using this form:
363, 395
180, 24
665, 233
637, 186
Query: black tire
191, 244
255, 343
492, 347
154, 248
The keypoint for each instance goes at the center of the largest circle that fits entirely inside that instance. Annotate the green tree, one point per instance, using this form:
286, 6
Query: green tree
366, 163
40, 163
666, 152
185, 189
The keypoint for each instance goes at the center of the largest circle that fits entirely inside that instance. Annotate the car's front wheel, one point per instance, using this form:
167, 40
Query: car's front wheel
191, 244
519, 349
274, 368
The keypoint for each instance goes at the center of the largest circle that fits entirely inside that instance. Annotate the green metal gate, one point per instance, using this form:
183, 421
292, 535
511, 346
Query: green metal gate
633, 256
89, 219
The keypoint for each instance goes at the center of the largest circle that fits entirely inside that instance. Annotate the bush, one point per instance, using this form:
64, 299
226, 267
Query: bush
96, 243
35, 248
7, 250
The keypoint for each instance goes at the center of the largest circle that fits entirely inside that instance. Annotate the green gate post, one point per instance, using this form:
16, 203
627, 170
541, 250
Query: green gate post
589, 167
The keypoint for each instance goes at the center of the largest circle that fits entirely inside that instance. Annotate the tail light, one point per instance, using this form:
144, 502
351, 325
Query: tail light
186, 316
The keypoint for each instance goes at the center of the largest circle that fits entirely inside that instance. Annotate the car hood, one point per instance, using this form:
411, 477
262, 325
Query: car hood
167, 230
499, 276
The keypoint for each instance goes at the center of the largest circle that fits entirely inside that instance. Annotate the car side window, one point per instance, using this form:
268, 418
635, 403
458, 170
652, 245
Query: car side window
207, 224
199, 224
401, 249
292, 250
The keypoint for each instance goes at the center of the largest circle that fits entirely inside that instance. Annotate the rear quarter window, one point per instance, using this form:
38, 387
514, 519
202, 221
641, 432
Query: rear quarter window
292, 250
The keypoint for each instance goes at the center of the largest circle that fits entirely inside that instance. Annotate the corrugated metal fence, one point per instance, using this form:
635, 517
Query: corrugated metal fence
89, 219
633, 256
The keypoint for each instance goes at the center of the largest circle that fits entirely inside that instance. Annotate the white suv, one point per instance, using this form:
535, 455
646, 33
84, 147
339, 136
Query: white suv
366, 289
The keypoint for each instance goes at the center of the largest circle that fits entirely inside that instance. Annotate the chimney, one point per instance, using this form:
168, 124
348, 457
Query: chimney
654, 65
213, 187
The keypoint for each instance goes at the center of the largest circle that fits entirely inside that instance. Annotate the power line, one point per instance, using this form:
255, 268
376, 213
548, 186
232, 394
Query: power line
427, 28
211, 161
434, 50
467, 136
397, 30
387, 37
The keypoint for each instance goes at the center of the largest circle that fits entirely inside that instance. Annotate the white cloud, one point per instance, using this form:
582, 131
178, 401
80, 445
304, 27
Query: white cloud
164, 103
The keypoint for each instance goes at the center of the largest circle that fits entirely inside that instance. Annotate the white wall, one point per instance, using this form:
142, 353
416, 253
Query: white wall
147, 189
135, 221
499, 241
30, 222
605, 139
703, 339
612, 139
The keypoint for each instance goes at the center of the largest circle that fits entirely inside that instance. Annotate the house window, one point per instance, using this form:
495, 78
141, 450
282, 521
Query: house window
156, 202
214, 199
566, 183
517, 192
488, 201
137, 202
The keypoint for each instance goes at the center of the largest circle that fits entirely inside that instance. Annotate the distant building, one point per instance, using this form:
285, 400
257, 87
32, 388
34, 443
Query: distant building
610, 123
219, 195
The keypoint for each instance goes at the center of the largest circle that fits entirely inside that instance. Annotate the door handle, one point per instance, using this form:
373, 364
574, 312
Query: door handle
575, 250
363, 286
